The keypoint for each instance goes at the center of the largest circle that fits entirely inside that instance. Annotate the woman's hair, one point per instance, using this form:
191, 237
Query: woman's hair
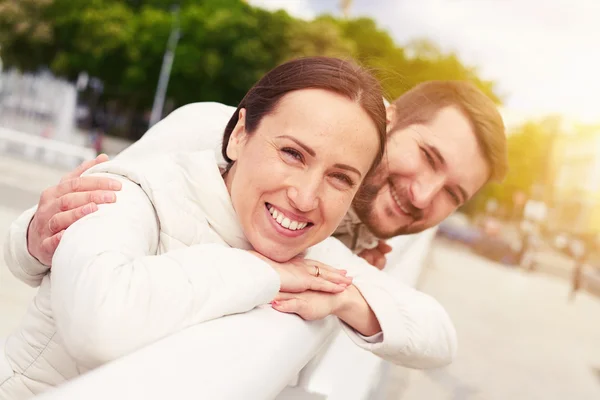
332, 74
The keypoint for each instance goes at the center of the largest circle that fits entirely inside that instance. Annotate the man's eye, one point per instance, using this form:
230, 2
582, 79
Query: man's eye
429, 157
292, 153
454, 197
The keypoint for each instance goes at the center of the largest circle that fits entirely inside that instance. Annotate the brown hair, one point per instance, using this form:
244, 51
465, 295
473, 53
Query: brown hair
333, 74
420, 104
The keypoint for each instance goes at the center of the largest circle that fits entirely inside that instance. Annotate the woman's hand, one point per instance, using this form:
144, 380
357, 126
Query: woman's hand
299, 275
309, 305
349, 306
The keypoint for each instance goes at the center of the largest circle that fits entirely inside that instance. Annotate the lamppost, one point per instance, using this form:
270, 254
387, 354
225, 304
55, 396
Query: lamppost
165, 72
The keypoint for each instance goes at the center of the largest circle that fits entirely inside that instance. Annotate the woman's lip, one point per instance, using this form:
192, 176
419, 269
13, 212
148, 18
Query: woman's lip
290, 215
284, 231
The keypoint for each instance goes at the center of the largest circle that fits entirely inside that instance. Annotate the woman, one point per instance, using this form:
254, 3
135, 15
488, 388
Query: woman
186, 243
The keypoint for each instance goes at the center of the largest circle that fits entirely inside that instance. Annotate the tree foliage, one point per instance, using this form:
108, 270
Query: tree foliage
226, 45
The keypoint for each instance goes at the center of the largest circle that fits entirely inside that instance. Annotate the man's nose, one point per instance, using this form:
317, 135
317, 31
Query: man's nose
423, 191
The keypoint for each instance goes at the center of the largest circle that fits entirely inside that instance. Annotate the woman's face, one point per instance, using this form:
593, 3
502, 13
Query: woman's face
294, 177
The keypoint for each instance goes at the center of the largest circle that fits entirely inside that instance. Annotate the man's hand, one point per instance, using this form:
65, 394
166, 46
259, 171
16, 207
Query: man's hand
61, 205
376, 256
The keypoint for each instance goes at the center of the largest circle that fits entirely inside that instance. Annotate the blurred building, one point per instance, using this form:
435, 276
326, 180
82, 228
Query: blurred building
576, 194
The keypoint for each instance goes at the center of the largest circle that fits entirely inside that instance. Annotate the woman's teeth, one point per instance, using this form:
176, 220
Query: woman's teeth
397, 200
285, 221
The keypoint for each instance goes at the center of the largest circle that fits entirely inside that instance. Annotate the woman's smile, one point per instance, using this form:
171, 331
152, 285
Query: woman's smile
285, 223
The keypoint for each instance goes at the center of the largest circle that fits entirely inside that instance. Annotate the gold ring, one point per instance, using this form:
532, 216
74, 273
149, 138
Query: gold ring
317, 271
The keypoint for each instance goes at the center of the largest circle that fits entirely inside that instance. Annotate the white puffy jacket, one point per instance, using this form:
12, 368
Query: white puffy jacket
168, 255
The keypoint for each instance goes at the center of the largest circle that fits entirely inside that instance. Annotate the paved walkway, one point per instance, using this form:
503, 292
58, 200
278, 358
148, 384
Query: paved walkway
519, 336
21, 183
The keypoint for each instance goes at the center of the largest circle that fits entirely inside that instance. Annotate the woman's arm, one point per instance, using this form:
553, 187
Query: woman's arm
111, 294
416, 330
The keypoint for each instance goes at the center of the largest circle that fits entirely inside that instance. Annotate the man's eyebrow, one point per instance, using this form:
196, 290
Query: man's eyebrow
299, 143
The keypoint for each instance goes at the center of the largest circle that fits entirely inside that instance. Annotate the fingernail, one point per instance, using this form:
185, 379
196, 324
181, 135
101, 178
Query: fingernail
109, 197
114, 185
88, 209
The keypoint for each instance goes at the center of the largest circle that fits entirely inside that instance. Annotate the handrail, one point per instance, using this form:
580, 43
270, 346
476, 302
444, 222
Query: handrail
251, 355
77, 153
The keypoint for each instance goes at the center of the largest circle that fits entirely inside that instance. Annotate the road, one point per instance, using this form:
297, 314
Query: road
21, 183
519, 336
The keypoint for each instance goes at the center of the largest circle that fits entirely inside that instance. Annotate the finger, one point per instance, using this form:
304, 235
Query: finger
328, 274
287, 306
322, 285
380, 262
50, 244
368, 256
84, 166
285, 296
384, 247
71, 201
87, 184
335, 277
65, 219
326, 267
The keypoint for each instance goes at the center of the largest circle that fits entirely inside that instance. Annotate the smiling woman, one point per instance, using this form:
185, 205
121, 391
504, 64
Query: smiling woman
187, 242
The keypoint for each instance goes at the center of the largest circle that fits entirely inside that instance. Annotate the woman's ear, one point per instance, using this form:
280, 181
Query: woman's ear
238, 137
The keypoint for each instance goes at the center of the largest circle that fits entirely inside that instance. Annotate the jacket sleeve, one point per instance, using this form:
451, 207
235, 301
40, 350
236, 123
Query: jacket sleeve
416, 330
20, 262
193, 127
112, 294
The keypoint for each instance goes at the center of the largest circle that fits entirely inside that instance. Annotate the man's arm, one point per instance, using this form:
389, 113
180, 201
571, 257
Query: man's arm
34, 236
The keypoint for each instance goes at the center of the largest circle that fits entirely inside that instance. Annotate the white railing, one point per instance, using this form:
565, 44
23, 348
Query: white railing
254, 355
43, 149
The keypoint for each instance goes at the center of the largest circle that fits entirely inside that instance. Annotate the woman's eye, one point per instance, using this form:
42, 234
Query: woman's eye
429, 158
345, 179
292, 153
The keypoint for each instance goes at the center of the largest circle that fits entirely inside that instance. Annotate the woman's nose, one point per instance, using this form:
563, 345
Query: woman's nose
304, 197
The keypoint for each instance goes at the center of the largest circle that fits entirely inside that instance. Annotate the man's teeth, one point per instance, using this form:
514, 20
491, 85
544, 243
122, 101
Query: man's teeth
397, 200
286, 222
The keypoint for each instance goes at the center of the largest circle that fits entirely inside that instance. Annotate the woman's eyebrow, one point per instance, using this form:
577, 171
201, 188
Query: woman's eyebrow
348, 168
299, 143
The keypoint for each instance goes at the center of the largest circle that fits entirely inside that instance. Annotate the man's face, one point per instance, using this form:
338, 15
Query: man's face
428, 171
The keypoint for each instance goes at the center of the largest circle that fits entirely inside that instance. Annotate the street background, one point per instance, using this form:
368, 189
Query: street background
80, 77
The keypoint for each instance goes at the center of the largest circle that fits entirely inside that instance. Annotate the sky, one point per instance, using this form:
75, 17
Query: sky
544, 55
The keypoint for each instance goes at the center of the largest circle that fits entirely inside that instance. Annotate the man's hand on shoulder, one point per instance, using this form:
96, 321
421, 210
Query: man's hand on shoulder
61, 205
376, 255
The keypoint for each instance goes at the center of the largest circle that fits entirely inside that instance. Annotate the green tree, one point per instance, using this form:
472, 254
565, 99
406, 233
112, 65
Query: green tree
529, 148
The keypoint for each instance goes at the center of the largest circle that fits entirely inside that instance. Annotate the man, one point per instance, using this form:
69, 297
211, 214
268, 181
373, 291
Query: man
445, 141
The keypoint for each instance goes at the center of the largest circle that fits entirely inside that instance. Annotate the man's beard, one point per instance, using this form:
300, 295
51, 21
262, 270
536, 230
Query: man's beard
364, 207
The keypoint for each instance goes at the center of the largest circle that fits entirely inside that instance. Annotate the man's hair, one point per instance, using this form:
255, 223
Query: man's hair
332, 74
420, 105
